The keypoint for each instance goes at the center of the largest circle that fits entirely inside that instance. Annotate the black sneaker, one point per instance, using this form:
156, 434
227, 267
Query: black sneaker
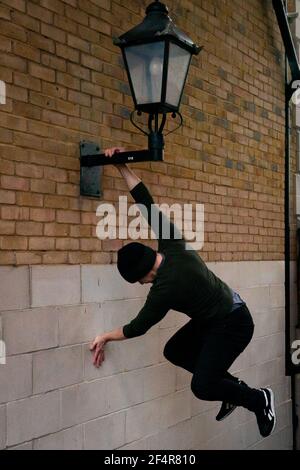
266, 417
227, 408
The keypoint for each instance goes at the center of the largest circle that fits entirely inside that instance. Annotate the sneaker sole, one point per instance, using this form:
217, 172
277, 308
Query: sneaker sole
228, 414
272, 408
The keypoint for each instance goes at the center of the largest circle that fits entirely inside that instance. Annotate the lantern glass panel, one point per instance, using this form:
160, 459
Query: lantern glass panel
179, 61
145, 64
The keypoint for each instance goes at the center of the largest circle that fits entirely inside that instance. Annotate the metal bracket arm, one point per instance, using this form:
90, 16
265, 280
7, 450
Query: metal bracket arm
90, 155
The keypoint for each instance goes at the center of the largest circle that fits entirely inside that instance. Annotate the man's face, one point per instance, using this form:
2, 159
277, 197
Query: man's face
148, 278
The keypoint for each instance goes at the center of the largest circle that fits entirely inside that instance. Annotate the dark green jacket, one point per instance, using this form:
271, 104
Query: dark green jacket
183, 281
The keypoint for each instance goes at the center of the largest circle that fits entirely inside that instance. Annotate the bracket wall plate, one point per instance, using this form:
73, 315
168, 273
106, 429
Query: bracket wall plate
90, 176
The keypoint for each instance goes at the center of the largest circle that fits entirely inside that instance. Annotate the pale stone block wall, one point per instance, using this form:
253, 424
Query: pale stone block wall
51, 396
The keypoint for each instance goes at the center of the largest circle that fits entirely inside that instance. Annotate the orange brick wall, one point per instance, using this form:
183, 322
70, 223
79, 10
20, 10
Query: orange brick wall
66, 82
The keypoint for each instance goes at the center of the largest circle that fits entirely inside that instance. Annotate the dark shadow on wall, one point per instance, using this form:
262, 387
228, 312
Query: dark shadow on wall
274, 45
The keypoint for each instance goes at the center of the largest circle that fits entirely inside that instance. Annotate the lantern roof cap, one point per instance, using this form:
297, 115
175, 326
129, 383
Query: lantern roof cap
156, 25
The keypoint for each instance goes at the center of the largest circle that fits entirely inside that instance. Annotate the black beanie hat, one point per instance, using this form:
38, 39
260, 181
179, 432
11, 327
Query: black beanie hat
135, 260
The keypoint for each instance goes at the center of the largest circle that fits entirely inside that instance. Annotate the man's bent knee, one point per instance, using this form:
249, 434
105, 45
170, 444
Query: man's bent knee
204, 389
173, 353
168, 351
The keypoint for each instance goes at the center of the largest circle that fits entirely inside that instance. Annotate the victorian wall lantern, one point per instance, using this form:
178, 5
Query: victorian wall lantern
157, 56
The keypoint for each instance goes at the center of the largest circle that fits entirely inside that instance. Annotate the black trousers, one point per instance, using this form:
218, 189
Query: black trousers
208, 352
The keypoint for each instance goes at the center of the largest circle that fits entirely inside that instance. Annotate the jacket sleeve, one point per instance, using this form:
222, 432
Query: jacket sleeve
153, 311
166, 232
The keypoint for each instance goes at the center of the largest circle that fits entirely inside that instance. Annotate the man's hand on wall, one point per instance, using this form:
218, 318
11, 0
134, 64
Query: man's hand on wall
98, 347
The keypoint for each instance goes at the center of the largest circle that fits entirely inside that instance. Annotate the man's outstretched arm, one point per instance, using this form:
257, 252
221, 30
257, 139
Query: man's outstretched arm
137, 189
161, 225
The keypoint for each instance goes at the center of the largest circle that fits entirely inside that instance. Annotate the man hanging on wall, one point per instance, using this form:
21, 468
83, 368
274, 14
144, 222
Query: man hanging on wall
220, 325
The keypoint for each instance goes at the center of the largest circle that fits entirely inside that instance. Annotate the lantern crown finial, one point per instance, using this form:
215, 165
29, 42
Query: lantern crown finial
157, 7
156, 25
